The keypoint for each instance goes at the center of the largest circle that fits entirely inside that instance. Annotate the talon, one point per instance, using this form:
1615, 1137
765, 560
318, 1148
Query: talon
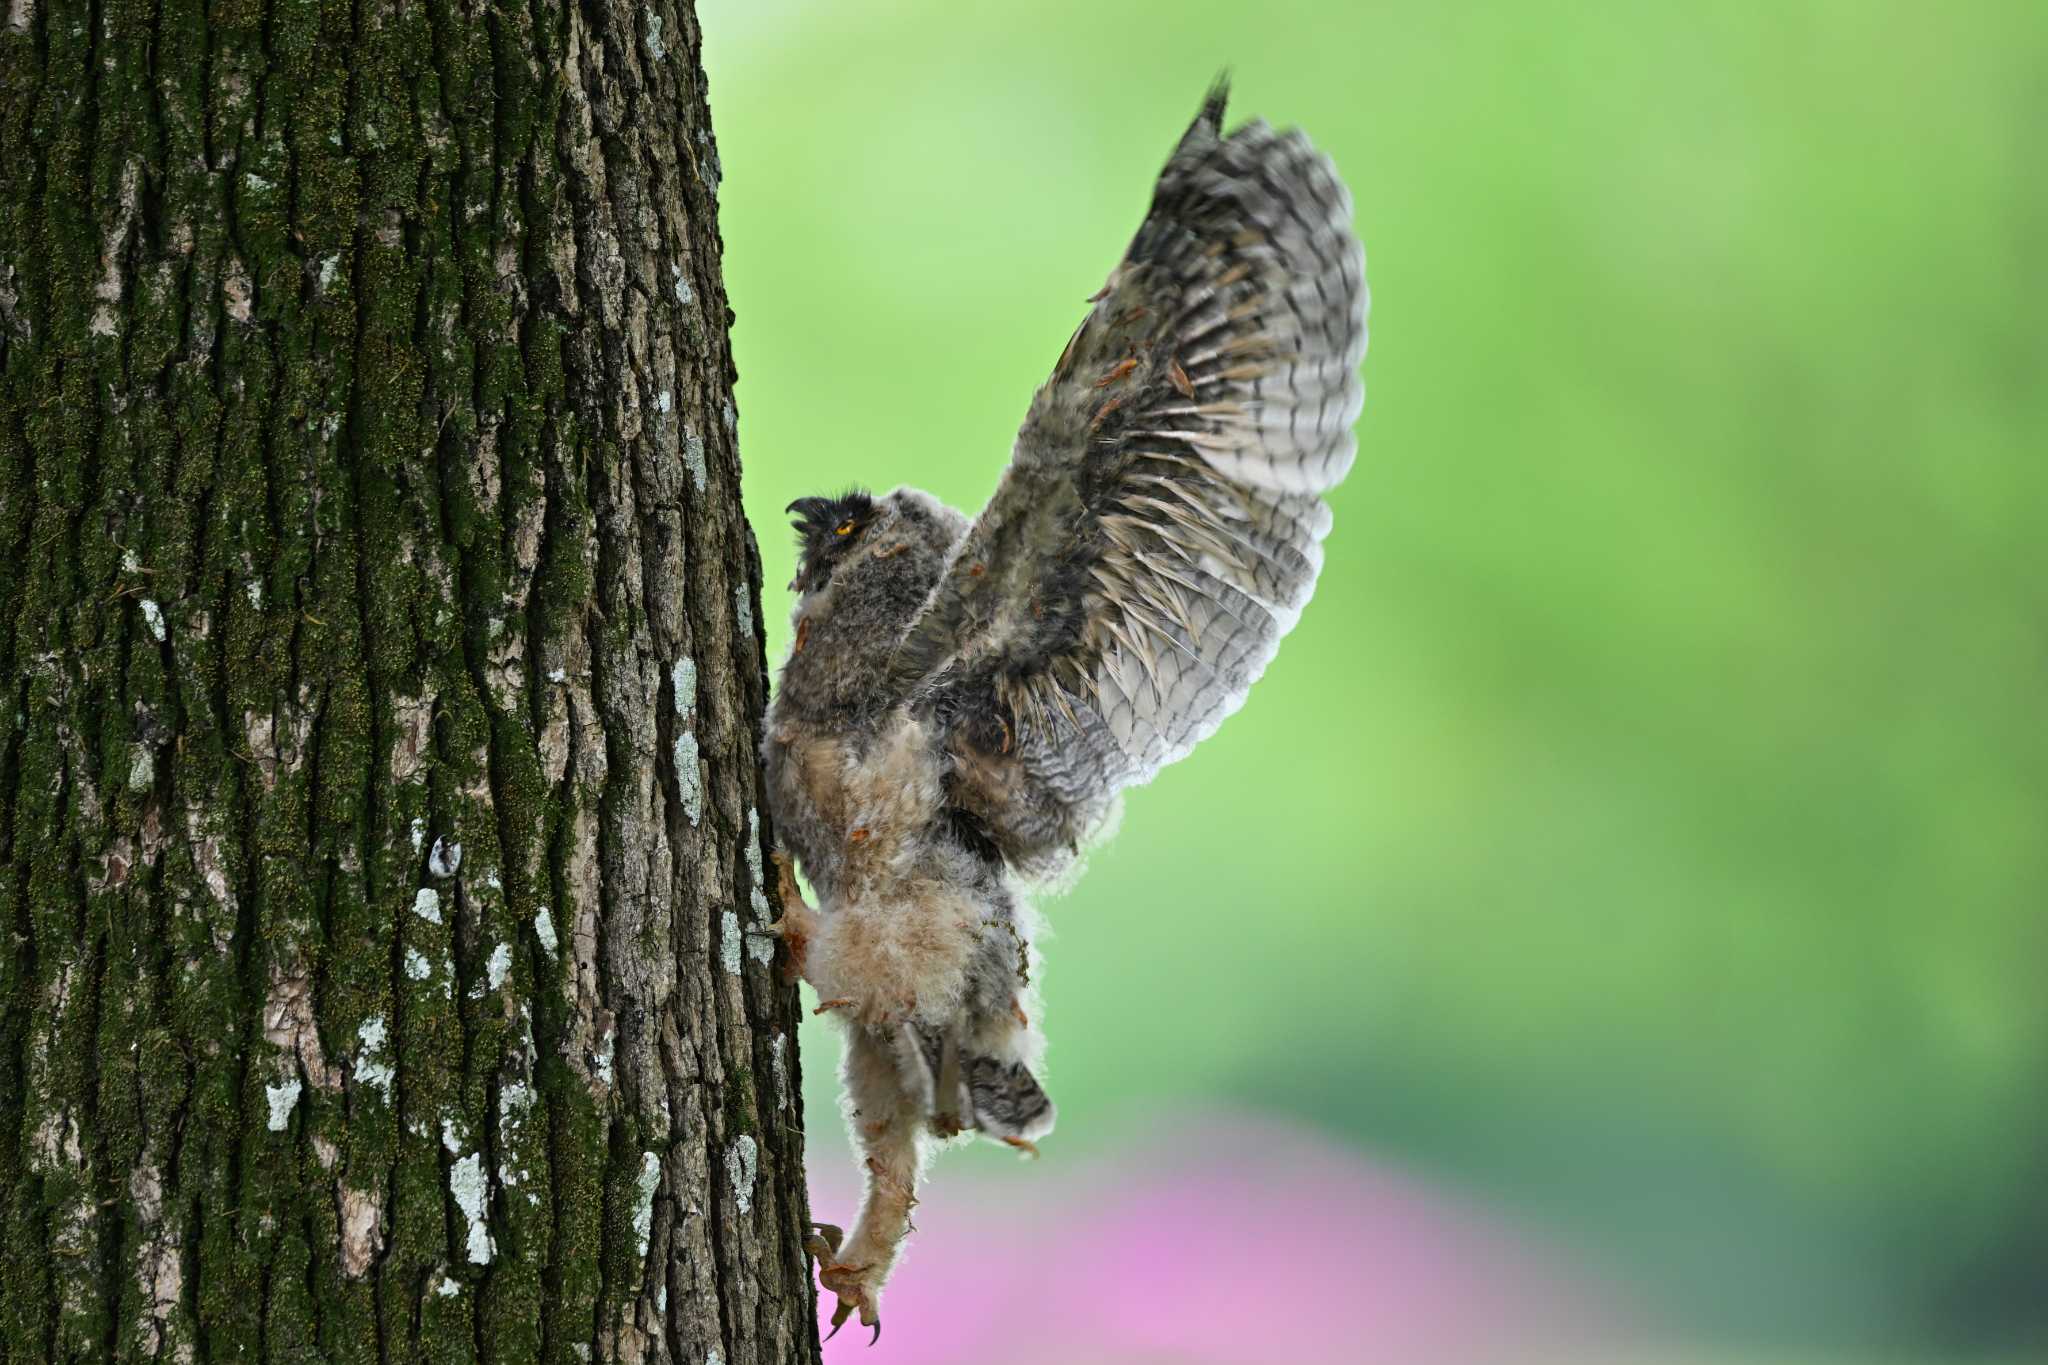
845, 1281
1029, 1149
836, 1003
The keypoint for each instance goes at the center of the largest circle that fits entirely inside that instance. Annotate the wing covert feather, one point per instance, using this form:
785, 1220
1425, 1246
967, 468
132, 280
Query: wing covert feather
1160, 526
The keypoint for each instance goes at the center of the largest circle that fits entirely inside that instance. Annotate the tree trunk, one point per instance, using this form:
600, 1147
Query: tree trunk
379, 833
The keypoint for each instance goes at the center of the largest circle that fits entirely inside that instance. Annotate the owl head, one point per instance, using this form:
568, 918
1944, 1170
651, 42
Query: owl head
826, 532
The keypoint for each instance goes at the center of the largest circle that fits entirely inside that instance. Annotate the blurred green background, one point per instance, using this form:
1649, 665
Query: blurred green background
1646, 829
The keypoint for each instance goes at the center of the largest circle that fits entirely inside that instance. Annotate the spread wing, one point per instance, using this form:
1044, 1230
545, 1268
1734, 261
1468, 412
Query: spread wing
1159, 527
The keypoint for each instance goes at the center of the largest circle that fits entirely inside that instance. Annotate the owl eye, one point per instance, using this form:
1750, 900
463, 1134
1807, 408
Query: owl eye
844, 528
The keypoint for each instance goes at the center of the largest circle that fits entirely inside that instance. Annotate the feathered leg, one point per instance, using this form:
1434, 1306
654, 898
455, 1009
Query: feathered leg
885, 1119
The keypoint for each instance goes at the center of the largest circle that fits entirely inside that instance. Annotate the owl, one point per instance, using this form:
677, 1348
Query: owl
964, 700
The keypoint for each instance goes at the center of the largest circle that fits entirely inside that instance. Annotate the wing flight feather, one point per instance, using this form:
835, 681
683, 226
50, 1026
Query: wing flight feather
1160, 526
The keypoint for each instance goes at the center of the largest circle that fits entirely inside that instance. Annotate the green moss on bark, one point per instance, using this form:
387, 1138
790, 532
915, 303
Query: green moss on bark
335, 520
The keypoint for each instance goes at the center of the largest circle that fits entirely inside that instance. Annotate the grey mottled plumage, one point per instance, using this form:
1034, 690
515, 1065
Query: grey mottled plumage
964, 702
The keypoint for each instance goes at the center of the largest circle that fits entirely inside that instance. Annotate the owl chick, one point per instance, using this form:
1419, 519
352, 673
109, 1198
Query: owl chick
964, 701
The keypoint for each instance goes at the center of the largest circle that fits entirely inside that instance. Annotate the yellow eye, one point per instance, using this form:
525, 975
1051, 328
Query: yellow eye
844, 528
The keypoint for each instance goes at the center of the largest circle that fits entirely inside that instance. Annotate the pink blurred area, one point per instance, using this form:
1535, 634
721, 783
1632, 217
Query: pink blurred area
1220, 1239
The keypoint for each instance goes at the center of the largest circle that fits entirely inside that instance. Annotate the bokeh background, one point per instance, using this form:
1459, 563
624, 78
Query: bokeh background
1616, 922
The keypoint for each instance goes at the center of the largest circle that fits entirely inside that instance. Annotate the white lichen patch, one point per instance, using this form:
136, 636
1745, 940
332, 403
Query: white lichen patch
762, 949
778, 1061
606, 1046
754, 843
427, 905
682, 686
283, 1099
513, 1103
451, 1134
743, 610
693, 456
499, 966
655, 49
371, 1068
664, 402
416, 965
729, 942
419, 833
447, 1288
544, 930
643, 1202
558, 676
328, 266
446, 859
682, 678
141, 767
741, 1166
153, 617
467, 1183
684, 294
253, 590
689, 776
131, 562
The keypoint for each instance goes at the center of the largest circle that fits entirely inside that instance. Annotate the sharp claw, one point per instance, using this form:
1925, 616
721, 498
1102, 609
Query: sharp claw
878, 1332
839, 1317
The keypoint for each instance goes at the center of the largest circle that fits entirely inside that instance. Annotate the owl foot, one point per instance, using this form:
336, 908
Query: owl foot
823, 1244
847, 1281
799, 923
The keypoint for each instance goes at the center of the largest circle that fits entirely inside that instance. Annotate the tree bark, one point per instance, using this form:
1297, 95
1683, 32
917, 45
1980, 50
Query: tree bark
379, 832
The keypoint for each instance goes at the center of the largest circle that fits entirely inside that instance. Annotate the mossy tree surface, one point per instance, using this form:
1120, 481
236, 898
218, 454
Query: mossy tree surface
368, 488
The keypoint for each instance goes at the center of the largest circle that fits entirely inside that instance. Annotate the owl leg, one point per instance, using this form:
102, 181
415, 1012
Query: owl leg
885, 1118
799, 923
